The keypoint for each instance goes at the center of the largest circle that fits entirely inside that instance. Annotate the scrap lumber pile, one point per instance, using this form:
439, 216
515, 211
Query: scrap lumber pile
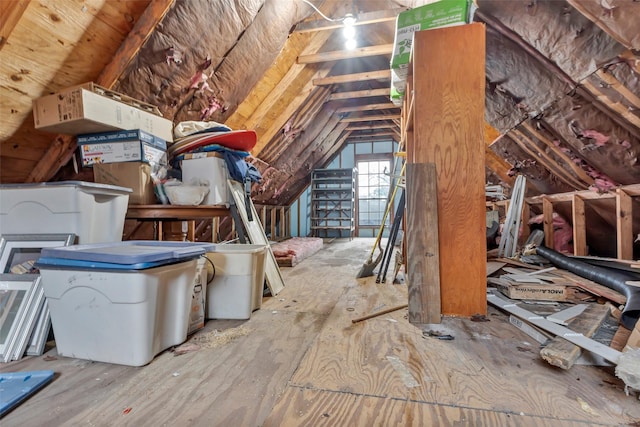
567, 314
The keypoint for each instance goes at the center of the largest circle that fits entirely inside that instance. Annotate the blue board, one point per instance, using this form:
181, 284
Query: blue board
17, 386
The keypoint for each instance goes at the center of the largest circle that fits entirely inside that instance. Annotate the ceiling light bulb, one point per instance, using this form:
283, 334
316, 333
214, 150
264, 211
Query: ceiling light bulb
349, 32
351, 44
349, 20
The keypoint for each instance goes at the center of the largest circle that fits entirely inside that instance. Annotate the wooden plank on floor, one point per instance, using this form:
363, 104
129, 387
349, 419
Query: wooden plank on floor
485, 360
450, 133
560, 352
304, 407
423, 259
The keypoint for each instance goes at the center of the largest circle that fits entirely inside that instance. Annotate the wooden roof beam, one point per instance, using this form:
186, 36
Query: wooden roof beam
367, 107
361, 52
62, 148
361, 19
372, 126
10, 13
359, 94
356, 77
373, 117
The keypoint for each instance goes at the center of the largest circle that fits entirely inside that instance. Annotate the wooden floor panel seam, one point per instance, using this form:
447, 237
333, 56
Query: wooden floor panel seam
423, 402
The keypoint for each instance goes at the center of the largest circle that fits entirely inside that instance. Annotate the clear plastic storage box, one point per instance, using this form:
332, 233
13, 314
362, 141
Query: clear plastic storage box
93, 212
122, 302
236, 290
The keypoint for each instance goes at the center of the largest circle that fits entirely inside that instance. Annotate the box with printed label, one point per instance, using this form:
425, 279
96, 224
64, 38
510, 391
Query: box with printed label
89, 108
122, 151
121, 136
440, 14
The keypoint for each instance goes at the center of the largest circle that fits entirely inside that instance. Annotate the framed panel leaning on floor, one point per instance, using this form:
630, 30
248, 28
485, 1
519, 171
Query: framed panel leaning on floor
18, 309
18, 252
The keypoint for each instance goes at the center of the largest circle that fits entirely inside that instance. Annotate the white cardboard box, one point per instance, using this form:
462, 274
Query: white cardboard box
212, 169
89, 108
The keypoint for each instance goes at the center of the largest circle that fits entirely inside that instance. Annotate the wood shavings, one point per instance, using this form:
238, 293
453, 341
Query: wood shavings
217, 338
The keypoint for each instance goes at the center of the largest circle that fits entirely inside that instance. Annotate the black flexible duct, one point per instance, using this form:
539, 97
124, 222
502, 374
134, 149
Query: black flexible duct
607, 277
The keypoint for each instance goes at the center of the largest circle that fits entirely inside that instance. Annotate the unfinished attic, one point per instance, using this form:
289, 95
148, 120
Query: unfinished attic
319, 212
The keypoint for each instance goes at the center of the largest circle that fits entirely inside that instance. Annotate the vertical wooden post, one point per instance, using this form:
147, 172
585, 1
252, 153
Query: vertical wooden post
448, 130
274, 211
526, 214
579, 226
422, 244
624, 225
547, 217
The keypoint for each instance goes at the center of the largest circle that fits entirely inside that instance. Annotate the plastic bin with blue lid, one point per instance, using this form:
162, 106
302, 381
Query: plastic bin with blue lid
121, 302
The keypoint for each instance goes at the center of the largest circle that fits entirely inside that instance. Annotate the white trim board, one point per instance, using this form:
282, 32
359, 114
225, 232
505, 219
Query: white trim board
578, 339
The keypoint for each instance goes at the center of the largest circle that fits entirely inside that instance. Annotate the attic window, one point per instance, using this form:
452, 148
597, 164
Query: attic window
373, 188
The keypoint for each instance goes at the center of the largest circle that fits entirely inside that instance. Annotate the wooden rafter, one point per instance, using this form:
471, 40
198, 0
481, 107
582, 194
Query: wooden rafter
367, 107
361, 19
356, 77
371, 126
337, 55
614, 83
558, 152
619, 108
359, 94
631, 190
63, 146
585, 9
292, 105
531, 149
373, 117
10, 13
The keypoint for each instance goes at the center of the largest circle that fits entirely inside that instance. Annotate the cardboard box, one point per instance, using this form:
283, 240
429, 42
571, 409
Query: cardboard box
122, 151
121, 136
440, 14
209, 167
89, 108
135, 175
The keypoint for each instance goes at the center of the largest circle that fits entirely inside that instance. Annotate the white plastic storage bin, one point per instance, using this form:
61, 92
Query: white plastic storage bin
94, 212
119, 303
236, 289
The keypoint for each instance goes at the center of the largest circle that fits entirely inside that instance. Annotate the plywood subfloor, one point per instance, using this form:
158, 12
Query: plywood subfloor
300, 361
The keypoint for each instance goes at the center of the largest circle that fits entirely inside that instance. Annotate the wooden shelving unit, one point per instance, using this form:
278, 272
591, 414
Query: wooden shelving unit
333, 202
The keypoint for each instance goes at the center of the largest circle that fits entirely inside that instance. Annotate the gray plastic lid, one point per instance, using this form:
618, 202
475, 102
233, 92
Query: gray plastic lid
130, 251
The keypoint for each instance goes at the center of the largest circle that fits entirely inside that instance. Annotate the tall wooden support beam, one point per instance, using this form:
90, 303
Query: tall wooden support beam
624, 225
422, 244
448, 89
547, 222
579, 227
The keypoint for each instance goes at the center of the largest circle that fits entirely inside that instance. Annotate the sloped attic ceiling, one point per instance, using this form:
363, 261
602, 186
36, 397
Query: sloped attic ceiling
562, 100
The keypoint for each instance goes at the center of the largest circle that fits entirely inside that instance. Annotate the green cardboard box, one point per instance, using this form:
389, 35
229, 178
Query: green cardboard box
443, 13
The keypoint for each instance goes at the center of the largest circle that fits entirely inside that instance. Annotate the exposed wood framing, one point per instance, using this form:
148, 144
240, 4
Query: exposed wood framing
361, 19
624, 216
359, 94
587, 180
10, 13
367, 107
372, 126
360, 52
373, 117
356, 77
63, 146
617, 107
529, 147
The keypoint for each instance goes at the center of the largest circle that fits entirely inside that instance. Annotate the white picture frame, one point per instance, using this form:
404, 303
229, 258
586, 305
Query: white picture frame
17, 295
19, 251
40, 333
